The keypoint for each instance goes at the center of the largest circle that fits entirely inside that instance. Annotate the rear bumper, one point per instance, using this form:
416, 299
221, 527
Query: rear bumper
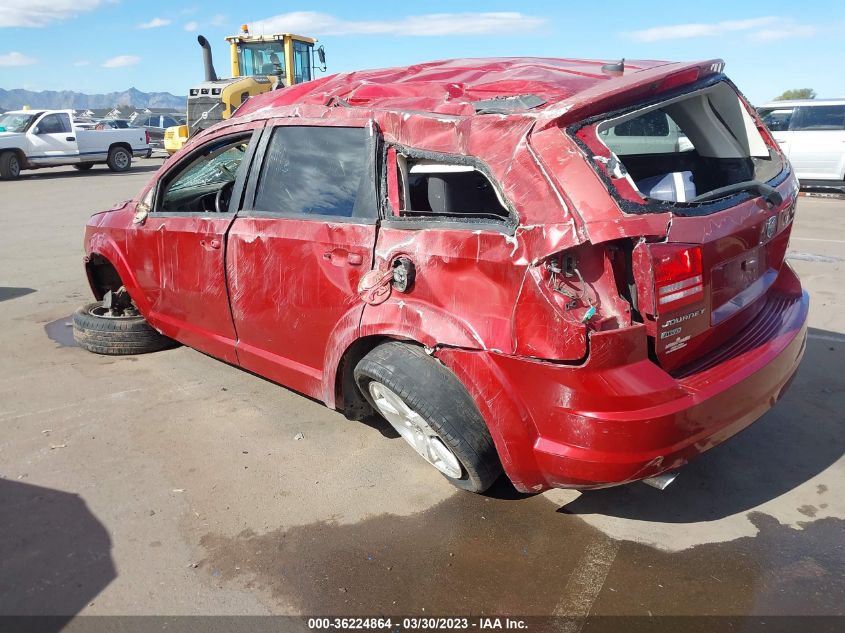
619, 417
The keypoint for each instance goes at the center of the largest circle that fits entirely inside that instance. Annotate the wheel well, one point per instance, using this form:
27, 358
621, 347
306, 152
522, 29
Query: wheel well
125, 146
21, 156
102, 276
348, 396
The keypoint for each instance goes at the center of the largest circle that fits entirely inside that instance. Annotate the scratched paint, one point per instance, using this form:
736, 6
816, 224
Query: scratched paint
565, 371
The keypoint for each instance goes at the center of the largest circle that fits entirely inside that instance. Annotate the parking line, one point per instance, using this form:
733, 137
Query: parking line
586, 582
826, 337
817, 239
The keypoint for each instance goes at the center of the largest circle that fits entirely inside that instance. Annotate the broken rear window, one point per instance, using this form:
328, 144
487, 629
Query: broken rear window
447, 190
681, 149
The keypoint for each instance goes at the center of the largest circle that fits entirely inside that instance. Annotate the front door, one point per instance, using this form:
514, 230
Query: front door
53, 141
298, 249
178, 252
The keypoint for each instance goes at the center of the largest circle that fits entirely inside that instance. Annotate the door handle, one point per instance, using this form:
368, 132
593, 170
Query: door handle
210, 244
70, 138
339, 255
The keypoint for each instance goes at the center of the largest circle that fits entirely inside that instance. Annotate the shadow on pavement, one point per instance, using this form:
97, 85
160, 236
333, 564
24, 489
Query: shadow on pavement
798, 439
55, 556
7, 292
94, 172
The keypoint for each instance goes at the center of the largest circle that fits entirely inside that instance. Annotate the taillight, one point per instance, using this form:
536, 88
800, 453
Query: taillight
147, 136
677, 275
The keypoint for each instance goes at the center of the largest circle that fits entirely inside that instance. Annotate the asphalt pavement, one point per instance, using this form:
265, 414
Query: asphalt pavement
172, 483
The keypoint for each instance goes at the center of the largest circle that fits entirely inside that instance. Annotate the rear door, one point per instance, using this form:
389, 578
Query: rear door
817, 138
53, 141
298, 249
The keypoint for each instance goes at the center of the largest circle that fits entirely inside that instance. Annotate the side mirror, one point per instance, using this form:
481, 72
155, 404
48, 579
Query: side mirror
37, 130
321, 55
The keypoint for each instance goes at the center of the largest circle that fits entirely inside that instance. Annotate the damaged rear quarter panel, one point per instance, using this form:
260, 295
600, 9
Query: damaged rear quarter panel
468, 279
600, 218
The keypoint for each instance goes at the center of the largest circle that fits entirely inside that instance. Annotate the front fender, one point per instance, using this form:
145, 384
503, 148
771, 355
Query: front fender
107, 238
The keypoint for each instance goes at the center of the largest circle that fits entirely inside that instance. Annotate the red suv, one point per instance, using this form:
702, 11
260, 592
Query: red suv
570, 270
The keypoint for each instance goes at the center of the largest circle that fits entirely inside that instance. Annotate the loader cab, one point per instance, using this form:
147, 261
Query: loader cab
285, 58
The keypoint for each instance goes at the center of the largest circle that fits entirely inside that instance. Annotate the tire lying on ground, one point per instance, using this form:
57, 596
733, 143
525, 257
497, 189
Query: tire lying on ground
430, 408
84, 166
97, 332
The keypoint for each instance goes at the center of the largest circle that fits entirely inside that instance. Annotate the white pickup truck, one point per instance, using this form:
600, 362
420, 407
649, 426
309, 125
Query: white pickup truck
31, 139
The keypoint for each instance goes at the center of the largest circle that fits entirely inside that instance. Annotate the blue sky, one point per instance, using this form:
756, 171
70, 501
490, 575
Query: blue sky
108, 45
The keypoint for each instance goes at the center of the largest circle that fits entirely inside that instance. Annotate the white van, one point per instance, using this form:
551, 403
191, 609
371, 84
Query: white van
811, 132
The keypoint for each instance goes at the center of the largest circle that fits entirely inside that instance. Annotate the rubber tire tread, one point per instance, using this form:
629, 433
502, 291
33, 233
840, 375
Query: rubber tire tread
5, 168
116, 337
110, 160
435, 393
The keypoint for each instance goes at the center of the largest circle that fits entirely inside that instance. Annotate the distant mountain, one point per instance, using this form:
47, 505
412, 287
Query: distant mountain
49, 99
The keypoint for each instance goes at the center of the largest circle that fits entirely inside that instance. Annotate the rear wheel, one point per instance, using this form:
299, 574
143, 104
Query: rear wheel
119, 159
116, 332
84, 166
10, 166
429, 407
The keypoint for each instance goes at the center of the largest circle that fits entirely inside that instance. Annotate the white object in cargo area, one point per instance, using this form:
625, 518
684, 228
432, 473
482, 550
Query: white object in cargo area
676, 186
425, 167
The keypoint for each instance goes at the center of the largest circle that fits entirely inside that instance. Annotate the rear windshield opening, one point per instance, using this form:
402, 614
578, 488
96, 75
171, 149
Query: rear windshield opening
446, 190
689, 146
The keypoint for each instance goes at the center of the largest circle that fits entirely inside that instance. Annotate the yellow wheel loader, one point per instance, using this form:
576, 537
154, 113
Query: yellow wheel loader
260, 63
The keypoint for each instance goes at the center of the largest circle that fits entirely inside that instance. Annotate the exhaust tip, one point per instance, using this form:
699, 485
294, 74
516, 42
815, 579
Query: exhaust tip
661, 482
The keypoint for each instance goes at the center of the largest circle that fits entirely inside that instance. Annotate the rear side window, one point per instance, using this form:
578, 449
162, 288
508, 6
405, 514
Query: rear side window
442, 189
820, 118
317, 171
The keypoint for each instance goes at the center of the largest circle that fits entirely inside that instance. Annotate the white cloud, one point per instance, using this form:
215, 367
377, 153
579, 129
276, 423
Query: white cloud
192, 26
760, 29
16, 59
34, 13
82, 62
432, 24
120, 61
154, 23
218, 20
786, 30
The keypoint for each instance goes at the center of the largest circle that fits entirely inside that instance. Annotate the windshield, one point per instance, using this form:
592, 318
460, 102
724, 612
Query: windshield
17, 122
261, 58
